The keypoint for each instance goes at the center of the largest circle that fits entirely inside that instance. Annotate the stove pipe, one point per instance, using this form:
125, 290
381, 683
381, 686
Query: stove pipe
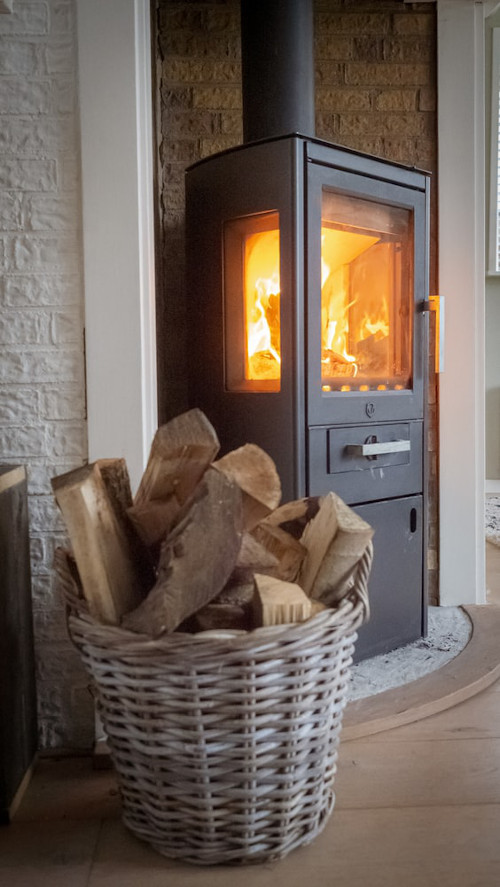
277, 58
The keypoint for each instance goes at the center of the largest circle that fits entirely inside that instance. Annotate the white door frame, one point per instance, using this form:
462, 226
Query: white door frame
114, 67
462, 282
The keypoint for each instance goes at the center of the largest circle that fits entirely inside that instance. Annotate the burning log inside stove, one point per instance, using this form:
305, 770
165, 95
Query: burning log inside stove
372, 354
230, 557
335, 364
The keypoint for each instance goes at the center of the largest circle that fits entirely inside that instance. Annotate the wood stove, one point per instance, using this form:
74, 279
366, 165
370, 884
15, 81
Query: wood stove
307, 287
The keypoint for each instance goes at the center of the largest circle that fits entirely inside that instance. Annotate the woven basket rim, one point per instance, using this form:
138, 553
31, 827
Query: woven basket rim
115, 639
348, 614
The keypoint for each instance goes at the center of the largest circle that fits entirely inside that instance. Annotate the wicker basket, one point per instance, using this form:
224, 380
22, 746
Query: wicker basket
225, 751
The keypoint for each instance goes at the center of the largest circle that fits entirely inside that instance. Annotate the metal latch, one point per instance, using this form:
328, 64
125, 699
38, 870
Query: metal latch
436, 304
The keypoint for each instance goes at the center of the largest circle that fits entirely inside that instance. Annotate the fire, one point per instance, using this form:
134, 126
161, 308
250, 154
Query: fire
335, 319
336, 343
378, 328
262, 305
259, 331
356, 290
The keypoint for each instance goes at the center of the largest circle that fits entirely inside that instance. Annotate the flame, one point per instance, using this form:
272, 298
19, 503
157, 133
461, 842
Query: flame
355, 318
259, 331
336, 328
379, 327
262, 305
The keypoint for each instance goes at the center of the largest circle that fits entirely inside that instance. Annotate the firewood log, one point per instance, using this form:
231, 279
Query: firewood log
285, 548
293, 517
215, 616
237, 592
181, 451
335, 540
196, 558
112, 581
153, 520
278, 603
254, 557
116, 479
255, 473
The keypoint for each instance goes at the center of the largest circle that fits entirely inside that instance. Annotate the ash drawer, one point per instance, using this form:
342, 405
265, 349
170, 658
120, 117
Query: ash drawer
364, 463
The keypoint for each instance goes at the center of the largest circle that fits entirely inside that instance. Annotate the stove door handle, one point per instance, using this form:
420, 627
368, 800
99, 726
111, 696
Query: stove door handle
379, 448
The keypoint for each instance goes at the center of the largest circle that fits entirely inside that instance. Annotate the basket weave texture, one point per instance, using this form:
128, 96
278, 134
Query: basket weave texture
225, 750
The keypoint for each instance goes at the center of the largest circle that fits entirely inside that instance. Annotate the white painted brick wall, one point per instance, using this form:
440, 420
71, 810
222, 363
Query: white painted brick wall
42, 398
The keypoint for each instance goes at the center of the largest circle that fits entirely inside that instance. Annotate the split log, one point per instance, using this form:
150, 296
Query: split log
181, 451
217, 616
335, 540
279, 603
111, 580
153, 520
233, 608
317, 607
285, 548
317, 538
254, 557
237, 592
196, 558
255, 473
114, 473
293, 517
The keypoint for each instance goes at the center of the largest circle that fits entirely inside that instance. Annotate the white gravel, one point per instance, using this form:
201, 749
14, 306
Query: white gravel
449, 632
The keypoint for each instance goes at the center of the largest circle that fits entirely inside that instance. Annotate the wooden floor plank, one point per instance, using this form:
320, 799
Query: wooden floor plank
473, 670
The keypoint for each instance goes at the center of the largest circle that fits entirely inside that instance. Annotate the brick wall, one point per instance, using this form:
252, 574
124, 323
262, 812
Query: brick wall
42, 403
375, 92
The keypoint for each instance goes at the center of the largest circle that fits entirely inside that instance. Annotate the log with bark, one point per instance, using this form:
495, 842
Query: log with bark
181, 451
196, 558
335, 539
255, 473
293, 517
289, 553
115, 573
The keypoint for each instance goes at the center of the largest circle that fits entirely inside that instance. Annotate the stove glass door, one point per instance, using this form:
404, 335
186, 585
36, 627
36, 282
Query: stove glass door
366, 294
252, 320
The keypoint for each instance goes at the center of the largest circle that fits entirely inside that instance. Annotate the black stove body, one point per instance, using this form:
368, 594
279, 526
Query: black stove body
307, 276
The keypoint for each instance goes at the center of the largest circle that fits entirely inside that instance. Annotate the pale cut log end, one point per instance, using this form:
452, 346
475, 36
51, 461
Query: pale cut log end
279, 603
255, 472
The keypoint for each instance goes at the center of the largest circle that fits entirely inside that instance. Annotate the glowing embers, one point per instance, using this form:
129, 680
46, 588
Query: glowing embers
262, 306
365, 297
252, 303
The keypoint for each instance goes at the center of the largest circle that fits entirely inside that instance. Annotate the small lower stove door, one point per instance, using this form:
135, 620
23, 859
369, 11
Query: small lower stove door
398, 613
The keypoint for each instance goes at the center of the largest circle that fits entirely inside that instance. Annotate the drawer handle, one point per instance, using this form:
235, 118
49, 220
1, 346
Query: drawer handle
379, 448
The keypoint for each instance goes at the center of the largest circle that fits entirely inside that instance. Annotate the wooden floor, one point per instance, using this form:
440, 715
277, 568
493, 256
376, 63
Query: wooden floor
417, 806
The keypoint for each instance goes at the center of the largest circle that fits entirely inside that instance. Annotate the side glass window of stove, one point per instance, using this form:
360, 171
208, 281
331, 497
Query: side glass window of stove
252, 325
366, 295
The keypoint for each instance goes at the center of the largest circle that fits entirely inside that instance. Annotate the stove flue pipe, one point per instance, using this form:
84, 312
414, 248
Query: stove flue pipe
277, 51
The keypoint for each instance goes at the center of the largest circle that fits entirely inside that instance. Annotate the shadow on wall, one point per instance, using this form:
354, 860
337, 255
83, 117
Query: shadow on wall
493, 434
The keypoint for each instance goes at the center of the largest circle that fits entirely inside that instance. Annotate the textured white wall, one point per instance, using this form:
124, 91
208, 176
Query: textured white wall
42, 397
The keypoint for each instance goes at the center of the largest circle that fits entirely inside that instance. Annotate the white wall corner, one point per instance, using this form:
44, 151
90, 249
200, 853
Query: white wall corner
118, 239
